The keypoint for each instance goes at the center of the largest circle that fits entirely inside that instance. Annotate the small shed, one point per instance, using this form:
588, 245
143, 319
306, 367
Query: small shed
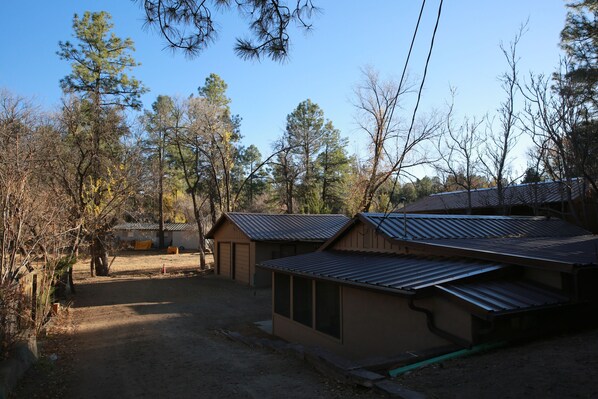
390, 284
243, 239
182, 235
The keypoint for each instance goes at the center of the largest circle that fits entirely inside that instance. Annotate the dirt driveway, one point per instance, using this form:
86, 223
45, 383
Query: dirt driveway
140, 334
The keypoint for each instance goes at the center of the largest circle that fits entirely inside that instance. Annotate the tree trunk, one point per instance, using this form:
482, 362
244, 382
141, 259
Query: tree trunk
202, 241
289, 201
212, 201
469, 200
99, 257
161, 202
161, 212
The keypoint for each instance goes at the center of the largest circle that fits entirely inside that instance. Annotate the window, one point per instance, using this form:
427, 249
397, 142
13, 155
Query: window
328, 308
282, 294
302, 300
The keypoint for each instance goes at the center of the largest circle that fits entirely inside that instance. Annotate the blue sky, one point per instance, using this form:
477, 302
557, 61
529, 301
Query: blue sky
324, 64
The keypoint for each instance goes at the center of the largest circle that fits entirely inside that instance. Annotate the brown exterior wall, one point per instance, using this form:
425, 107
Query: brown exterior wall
241, 263
270, 250
223, 260
550, 278
363, 238
379, 325
252, 252
227, 241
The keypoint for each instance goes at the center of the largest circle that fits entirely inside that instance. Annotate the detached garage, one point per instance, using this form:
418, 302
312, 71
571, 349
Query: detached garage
243, 239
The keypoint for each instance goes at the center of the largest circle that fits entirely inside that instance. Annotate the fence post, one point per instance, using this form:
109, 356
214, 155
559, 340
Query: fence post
33, 297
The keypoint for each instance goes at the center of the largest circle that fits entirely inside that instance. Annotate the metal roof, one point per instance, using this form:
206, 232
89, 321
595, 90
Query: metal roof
284, 227
531, 194
580, 250
503, 296
401, 273
420, 227
155, 226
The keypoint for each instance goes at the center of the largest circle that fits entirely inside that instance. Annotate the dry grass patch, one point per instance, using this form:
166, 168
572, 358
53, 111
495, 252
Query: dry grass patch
147, 263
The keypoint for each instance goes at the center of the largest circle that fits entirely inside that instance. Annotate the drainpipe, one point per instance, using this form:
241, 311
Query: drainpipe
448, 356
435, 329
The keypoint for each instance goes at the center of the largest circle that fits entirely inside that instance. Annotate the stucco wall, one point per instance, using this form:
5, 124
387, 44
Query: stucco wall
187, 239
137, 235
378, 324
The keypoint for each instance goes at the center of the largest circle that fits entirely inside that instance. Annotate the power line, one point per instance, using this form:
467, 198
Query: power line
419, 93
396, 97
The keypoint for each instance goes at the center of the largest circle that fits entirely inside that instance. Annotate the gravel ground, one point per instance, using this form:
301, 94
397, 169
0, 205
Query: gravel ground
559, 367
143, 334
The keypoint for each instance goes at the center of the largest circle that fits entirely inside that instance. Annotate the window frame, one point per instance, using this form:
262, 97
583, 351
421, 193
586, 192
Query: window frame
313, 303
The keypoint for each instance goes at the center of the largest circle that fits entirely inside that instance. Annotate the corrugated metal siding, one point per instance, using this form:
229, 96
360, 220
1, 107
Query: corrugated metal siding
420, 227
400, 272
521, 194
284, 227
504, 296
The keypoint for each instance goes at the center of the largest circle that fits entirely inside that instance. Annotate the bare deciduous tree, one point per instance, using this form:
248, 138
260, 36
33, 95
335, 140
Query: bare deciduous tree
458, 152
33, 219
500, 141
191, 145
392, 149
563, 131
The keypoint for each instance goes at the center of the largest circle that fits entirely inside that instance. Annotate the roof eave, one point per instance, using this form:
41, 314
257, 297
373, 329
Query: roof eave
480, 254
279, 240
489, 315
371, 287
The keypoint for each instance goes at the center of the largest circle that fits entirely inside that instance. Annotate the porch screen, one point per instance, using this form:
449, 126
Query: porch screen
328, 308
282, 294
302, 300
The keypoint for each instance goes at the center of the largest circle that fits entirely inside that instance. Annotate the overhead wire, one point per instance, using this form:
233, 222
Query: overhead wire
404, 73
421, 87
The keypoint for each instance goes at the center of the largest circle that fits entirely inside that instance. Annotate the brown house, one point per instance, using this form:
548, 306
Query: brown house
243, 239
387, 284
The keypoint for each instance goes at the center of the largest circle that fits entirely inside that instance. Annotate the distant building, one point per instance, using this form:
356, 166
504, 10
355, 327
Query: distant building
388, 284
561, 199
243, 239
521, 199
182, 235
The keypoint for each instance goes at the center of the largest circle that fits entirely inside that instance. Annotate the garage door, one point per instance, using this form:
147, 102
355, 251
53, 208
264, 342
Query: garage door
224, 268
241, 265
